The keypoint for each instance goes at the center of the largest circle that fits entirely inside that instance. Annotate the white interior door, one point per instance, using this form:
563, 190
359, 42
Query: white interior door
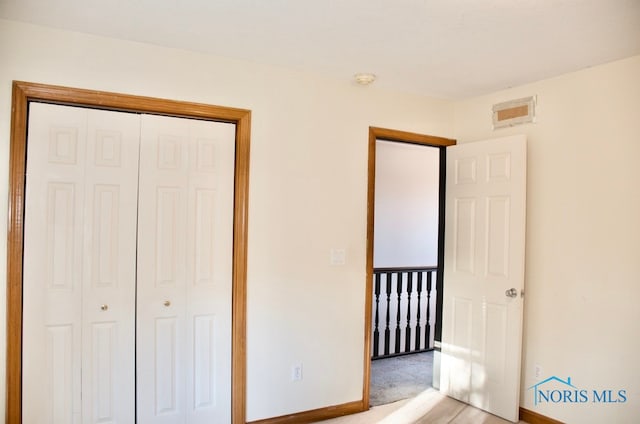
98, 205
185, 239
79, 266
484, 274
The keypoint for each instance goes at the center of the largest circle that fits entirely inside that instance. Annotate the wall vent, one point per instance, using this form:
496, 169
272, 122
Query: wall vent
514, 112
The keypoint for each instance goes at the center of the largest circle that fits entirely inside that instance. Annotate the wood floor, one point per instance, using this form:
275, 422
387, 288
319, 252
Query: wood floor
430, 407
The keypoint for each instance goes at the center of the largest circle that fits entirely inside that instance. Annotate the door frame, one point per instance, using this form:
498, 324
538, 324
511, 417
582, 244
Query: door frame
25, 92
375, 134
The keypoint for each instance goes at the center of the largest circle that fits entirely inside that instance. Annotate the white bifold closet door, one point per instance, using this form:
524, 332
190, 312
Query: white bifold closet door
79, 265
127, 277
185, 236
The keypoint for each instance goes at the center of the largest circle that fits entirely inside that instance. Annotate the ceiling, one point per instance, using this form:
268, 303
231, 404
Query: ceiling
442, 48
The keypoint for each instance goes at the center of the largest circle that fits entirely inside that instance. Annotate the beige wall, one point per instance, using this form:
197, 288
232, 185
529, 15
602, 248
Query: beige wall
582, 313
307, 194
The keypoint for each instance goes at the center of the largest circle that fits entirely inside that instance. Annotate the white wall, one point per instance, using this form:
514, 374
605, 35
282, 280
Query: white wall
406, 205
307, 193
582, 317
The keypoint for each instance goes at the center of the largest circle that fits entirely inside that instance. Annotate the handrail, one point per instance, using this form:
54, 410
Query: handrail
406, 268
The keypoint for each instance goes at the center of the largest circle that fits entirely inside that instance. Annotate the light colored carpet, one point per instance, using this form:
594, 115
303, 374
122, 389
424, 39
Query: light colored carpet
400, 377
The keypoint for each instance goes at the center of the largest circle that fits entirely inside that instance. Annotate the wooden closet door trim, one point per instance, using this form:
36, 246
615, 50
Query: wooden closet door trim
25, 92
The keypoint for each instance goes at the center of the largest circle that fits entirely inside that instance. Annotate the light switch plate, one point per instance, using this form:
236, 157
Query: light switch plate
296, 372
338, 257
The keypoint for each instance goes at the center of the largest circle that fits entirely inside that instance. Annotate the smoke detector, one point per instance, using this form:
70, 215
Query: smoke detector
364, 78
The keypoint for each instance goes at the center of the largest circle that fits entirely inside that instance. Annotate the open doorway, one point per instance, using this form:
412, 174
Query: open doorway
405, 258
404, 263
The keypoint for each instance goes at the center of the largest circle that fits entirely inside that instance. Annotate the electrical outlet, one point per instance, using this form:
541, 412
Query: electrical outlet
537, 371
296, 372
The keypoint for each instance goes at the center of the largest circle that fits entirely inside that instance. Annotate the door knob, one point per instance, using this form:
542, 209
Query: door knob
104, 307
511, 292
167, 303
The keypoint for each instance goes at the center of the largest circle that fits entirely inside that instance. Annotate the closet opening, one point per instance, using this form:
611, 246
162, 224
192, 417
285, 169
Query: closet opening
25, 94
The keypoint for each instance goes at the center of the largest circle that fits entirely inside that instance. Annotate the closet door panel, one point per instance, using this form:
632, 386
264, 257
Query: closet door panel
109, 267
209, 271
161, 326
52, 285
